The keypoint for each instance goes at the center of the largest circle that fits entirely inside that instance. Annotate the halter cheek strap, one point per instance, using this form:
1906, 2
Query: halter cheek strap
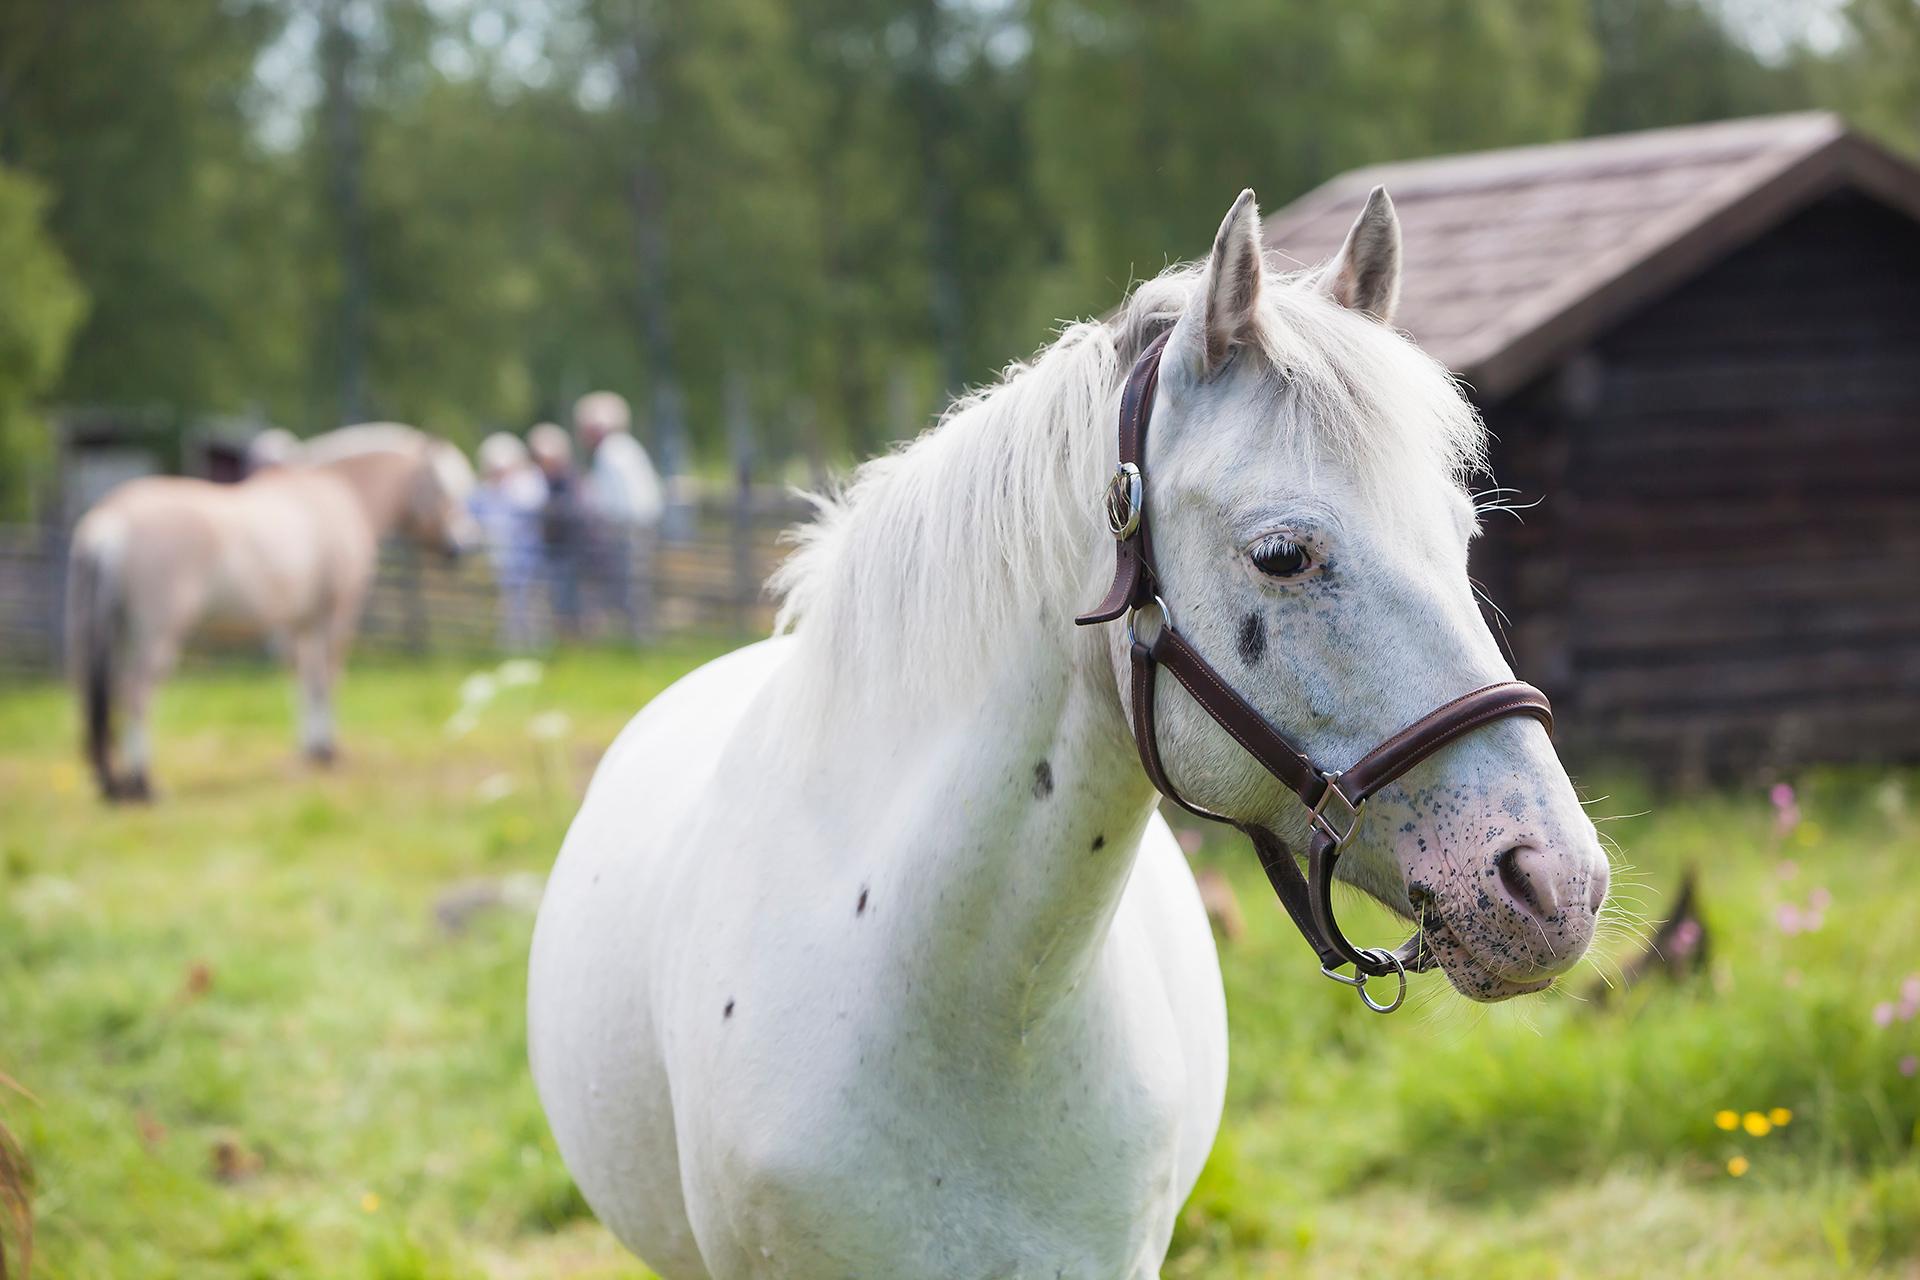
1334, 799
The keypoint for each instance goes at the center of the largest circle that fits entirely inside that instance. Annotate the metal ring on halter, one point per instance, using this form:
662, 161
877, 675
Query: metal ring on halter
1359, 980
1166, 616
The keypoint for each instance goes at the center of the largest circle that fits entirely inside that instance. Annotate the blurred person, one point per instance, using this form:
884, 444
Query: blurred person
562, 523
624, 501
507, 504
272, 447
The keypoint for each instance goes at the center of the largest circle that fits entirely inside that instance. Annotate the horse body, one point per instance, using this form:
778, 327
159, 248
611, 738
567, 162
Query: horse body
957, 1040
288, 553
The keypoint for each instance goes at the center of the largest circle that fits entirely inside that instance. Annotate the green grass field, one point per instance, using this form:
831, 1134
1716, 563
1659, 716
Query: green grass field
255, 1050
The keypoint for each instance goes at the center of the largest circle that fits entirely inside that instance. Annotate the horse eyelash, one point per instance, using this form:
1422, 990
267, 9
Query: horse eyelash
1274, 542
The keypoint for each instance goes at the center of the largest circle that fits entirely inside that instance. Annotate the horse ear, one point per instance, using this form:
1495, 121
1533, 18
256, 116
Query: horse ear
1365, 274
1231, 290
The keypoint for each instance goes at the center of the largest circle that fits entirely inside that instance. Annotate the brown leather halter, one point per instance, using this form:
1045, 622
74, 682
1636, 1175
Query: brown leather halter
1334, 799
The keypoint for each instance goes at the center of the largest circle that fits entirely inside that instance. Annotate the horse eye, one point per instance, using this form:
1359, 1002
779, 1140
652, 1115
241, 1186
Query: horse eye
1281, 558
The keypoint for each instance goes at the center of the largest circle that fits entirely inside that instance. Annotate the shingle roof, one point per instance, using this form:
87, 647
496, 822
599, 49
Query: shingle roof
1514, 258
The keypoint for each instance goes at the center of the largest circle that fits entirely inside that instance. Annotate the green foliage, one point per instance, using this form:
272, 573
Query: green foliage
1150, 116
465, 213
1875, 80
1675, 62
255, 1051
40, 305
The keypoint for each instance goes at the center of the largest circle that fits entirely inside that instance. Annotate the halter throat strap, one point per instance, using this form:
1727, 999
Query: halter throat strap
1334, 800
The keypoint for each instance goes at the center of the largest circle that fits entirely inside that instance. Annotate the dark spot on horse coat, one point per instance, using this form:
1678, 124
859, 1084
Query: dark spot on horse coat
1253, 638
728, 1011
860, 907
1042, 780
1099, 843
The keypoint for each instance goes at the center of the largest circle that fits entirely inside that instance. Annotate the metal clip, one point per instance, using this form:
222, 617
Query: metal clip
1359, 980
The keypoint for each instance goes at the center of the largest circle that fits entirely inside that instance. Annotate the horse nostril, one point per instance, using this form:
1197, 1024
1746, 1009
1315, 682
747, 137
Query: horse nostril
1525, 873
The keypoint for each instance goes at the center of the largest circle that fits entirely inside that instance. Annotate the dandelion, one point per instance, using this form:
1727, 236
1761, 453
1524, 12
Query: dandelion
1756, 1124
1728, 1120
518, 673
494, 788
1780, 1116
478, 689
1738, 1166
549, 726
369, 1202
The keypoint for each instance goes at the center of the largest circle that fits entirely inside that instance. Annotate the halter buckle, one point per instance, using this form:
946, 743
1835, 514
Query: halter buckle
1330, 824
1126, 497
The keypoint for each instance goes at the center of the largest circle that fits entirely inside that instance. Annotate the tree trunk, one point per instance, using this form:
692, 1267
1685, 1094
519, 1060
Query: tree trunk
646, 200
928, 94
339, 51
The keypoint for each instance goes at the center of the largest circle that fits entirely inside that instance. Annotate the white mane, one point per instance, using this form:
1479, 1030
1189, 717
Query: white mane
992, 516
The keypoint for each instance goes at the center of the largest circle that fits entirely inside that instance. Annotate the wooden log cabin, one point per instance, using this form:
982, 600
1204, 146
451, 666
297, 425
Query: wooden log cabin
1698, 350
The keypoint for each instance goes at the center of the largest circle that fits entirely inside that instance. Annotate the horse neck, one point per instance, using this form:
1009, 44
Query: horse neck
380, 480
1025, 810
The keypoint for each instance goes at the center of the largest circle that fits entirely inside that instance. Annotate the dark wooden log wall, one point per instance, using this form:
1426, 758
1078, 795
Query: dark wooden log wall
1725, 573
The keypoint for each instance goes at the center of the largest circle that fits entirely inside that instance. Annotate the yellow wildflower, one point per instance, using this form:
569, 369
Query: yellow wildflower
1756, 1124
1779, 1116
369, 1202
1728, 1120
1738, 1166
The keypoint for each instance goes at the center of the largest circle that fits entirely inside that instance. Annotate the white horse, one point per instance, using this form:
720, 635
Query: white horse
867, 954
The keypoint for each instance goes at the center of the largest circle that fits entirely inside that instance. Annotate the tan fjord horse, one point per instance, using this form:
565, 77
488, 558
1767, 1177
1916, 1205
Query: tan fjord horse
288, 553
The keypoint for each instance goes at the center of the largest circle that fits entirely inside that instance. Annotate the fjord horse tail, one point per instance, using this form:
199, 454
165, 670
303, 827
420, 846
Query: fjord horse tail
95, 623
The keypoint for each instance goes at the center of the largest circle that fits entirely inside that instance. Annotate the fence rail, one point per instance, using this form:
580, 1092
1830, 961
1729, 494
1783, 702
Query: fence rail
711, 580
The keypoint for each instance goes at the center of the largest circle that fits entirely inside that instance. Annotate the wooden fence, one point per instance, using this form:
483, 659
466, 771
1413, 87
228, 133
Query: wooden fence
712, 580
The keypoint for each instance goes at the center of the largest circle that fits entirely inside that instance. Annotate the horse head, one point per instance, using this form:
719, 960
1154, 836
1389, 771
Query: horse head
1311, 526
437, 514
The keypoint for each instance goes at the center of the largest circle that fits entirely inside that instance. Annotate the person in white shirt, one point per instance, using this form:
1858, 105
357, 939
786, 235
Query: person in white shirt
622, 484
624, 501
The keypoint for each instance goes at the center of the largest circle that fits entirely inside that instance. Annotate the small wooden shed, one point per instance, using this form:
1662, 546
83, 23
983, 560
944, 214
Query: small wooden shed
1699, 350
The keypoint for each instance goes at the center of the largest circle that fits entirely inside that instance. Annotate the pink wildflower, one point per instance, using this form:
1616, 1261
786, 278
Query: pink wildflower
1909, 1065
1883, 1014
1786, 809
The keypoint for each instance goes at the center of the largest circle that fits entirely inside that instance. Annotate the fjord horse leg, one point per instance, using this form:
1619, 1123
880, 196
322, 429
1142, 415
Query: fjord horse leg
321, 650
314, 666
150, 661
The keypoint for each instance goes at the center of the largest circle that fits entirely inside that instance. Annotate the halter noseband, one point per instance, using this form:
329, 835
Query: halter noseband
1334, 799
